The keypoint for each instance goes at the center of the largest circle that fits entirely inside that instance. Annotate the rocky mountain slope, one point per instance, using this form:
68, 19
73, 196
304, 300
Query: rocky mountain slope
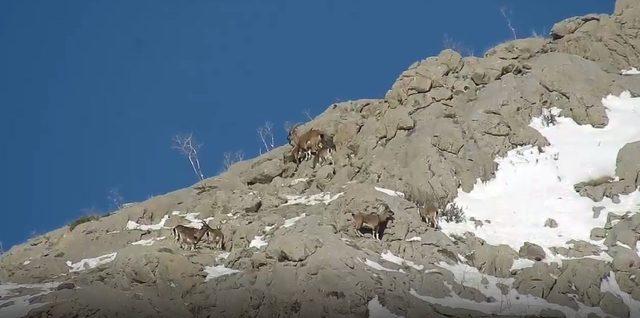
538, 141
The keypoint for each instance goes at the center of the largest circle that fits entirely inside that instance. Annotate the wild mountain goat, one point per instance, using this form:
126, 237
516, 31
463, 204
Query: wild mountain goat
189, 235
305, 144
429, 214
324, 155
217, 238
373, 221
429, 206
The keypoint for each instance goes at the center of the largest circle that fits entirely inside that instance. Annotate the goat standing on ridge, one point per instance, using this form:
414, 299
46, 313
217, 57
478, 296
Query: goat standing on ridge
429, 214
189, 235
217, 238
307, 144
372, 221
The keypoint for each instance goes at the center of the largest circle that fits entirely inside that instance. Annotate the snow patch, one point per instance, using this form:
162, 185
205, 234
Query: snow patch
131, 225
513, 303
376, 266
217, 271
388, 256
631, 71
376, 310
314, 199
609, 284
258, 242
531, 186
192, 218
390, 192
89, 263
414, 239
521, 263
21, 305
296, 181
222, 255
292, 221
623, 245
269, 228
148, 242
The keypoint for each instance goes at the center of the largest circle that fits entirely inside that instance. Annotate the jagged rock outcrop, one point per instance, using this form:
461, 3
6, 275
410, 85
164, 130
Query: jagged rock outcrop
290, 246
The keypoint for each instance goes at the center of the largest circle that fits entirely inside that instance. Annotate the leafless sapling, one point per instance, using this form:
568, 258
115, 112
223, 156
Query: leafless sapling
265, 133
188, 146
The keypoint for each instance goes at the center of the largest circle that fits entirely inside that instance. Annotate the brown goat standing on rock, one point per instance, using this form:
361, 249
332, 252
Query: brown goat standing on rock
189, 235
306, 144
373, 221
429, 214
217, 238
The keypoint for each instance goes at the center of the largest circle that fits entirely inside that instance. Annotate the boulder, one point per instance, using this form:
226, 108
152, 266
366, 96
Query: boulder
532, 251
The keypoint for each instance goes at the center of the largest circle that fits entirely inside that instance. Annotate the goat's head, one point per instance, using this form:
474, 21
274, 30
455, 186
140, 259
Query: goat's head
292, 136
382, 206
205, 225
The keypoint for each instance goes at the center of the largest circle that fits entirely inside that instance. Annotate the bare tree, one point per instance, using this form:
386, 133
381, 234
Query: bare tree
115, 199
287, 126
307, 113
188, 146
449, 43
503, 11
266, 136
232, 157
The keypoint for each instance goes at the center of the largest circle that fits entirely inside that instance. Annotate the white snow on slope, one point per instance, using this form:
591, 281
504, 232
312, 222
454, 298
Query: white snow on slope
217, 271
609, 284
148, 242
631, 71
222, 255
512, 303
521, 263
89, 263
292, 221
296, 181
376, 265
376, 310
388, 256
390, 192
131, 225
258, 242
314, 199
192, 218
531, 187
14, 305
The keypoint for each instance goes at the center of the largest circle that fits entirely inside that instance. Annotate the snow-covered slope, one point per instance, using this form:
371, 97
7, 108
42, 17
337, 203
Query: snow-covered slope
551, 221
534, 185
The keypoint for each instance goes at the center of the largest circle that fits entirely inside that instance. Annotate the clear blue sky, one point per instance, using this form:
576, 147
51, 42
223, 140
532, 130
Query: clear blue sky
92, 91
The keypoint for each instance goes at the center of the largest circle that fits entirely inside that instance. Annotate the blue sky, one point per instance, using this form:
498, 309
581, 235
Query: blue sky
93, 91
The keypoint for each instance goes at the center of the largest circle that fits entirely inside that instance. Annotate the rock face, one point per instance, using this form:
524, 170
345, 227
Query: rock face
290, 248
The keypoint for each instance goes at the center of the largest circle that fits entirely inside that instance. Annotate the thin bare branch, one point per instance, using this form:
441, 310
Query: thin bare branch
232, 157
265, 133
115, 199
187, 146
503, 11
307, 113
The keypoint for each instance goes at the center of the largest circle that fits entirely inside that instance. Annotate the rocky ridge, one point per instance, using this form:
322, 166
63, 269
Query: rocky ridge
290, 247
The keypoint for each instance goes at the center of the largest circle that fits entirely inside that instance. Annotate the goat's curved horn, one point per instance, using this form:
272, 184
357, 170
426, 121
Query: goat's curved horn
291, 131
